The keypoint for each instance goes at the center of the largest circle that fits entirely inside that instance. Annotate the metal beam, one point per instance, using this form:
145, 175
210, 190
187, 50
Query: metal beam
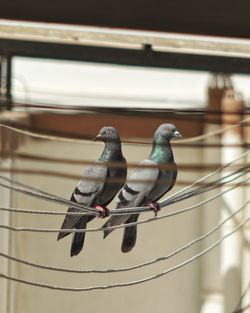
146, 57
218, 18
5, 81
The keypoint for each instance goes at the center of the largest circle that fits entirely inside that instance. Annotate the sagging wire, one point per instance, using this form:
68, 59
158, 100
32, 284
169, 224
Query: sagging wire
207, 187
31, 157
165, 199
63, 175
60, 213
238, 308
77, 140
43, 230
242, 309
130, 268
49, 159
218, 170
51, 197
147, 278
129, 283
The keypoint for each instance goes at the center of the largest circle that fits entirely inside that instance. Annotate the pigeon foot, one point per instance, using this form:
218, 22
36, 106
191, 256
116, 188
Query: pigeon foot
104, 212
155, 207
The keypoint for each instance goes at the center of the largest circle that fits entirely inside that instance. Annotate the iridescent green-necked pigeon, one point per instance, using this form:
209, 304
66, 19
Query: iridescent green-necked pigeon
147, 184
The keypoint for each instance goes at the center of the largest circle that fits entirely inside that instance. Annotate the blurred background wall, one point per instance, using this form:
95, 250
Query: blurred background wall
66, 99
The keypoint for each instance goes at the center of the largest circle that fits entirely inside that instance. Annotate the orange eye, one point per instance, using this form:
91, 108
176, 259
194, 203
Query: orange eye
168, 129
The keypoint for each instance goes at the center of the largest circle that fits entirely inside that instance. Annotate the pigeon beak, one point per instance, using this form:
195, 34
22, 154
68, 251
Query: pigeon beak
98, 137
177, 134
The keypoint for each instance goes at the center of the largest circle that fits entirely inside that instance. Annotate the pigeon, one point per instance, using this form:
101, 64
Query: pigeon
98, 186
147, 184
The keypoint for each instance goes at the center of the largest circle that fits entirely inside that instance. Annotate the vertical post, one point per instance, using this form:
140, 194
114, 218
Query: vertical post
212, 298
246, 236
5, 81
231, 249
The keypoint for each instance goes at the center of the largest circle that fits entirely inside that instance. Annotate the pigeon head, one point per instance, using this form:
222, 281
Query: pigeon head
165, 132
108, 134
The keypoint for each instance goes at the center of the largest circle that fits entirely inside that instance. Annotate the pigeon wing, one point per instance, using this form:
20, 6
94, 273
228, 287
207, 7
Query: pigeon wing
89, 187
141, 181
165, 183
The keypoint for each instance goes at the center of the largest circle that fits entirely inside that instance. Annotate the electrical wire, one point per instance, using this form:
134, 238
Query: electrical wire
66, 139
64, 176
221, 168
44, 212
201, 189
243, 309
209, 186
218, 170
130, 268
187, 195
51, 197
129, 283
43, 230
205, 177
49, 159
238, 308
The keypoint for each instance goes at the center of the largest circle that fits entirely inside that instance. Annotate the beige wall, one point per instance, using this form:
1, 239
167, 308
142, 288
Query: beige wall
5, 240
177, 292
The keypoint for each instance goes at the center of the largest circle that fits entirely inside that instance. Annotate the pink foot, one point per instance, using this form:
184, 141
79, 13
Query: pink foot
155, 207
104, 212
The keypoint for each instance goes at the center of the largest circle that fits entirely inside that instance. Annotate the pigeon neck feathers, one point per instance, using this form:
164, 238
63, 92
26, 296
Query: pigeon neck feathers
161, 151
112, 150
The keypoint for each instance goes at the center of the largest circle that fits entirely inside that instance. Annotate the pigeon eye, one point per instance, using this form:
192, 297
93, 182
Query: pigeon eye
168, 129
108, 132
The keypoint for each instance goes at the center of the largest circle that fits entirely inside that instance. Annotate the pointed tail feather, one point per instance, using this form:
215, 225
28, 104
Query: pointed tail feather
62, 234
113, 221
65, 225
78, 238
129, 235
69, 222
106, 232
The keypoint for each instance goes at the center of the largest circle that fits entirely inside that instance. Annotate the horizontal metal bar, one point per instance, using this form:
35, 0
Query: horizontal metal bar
101, 36
141, 57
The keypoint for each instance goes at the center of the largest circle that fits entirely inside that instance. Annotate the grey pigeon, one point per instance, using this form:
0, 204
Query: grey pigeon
147, 184
100, 183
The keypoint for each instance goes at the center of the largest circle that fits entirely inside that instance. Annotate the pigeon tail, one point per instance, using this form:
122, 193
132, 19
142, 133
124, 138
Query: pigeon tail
113, 221
129, 235
78, 238
106, 232
67, 224
62, 234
